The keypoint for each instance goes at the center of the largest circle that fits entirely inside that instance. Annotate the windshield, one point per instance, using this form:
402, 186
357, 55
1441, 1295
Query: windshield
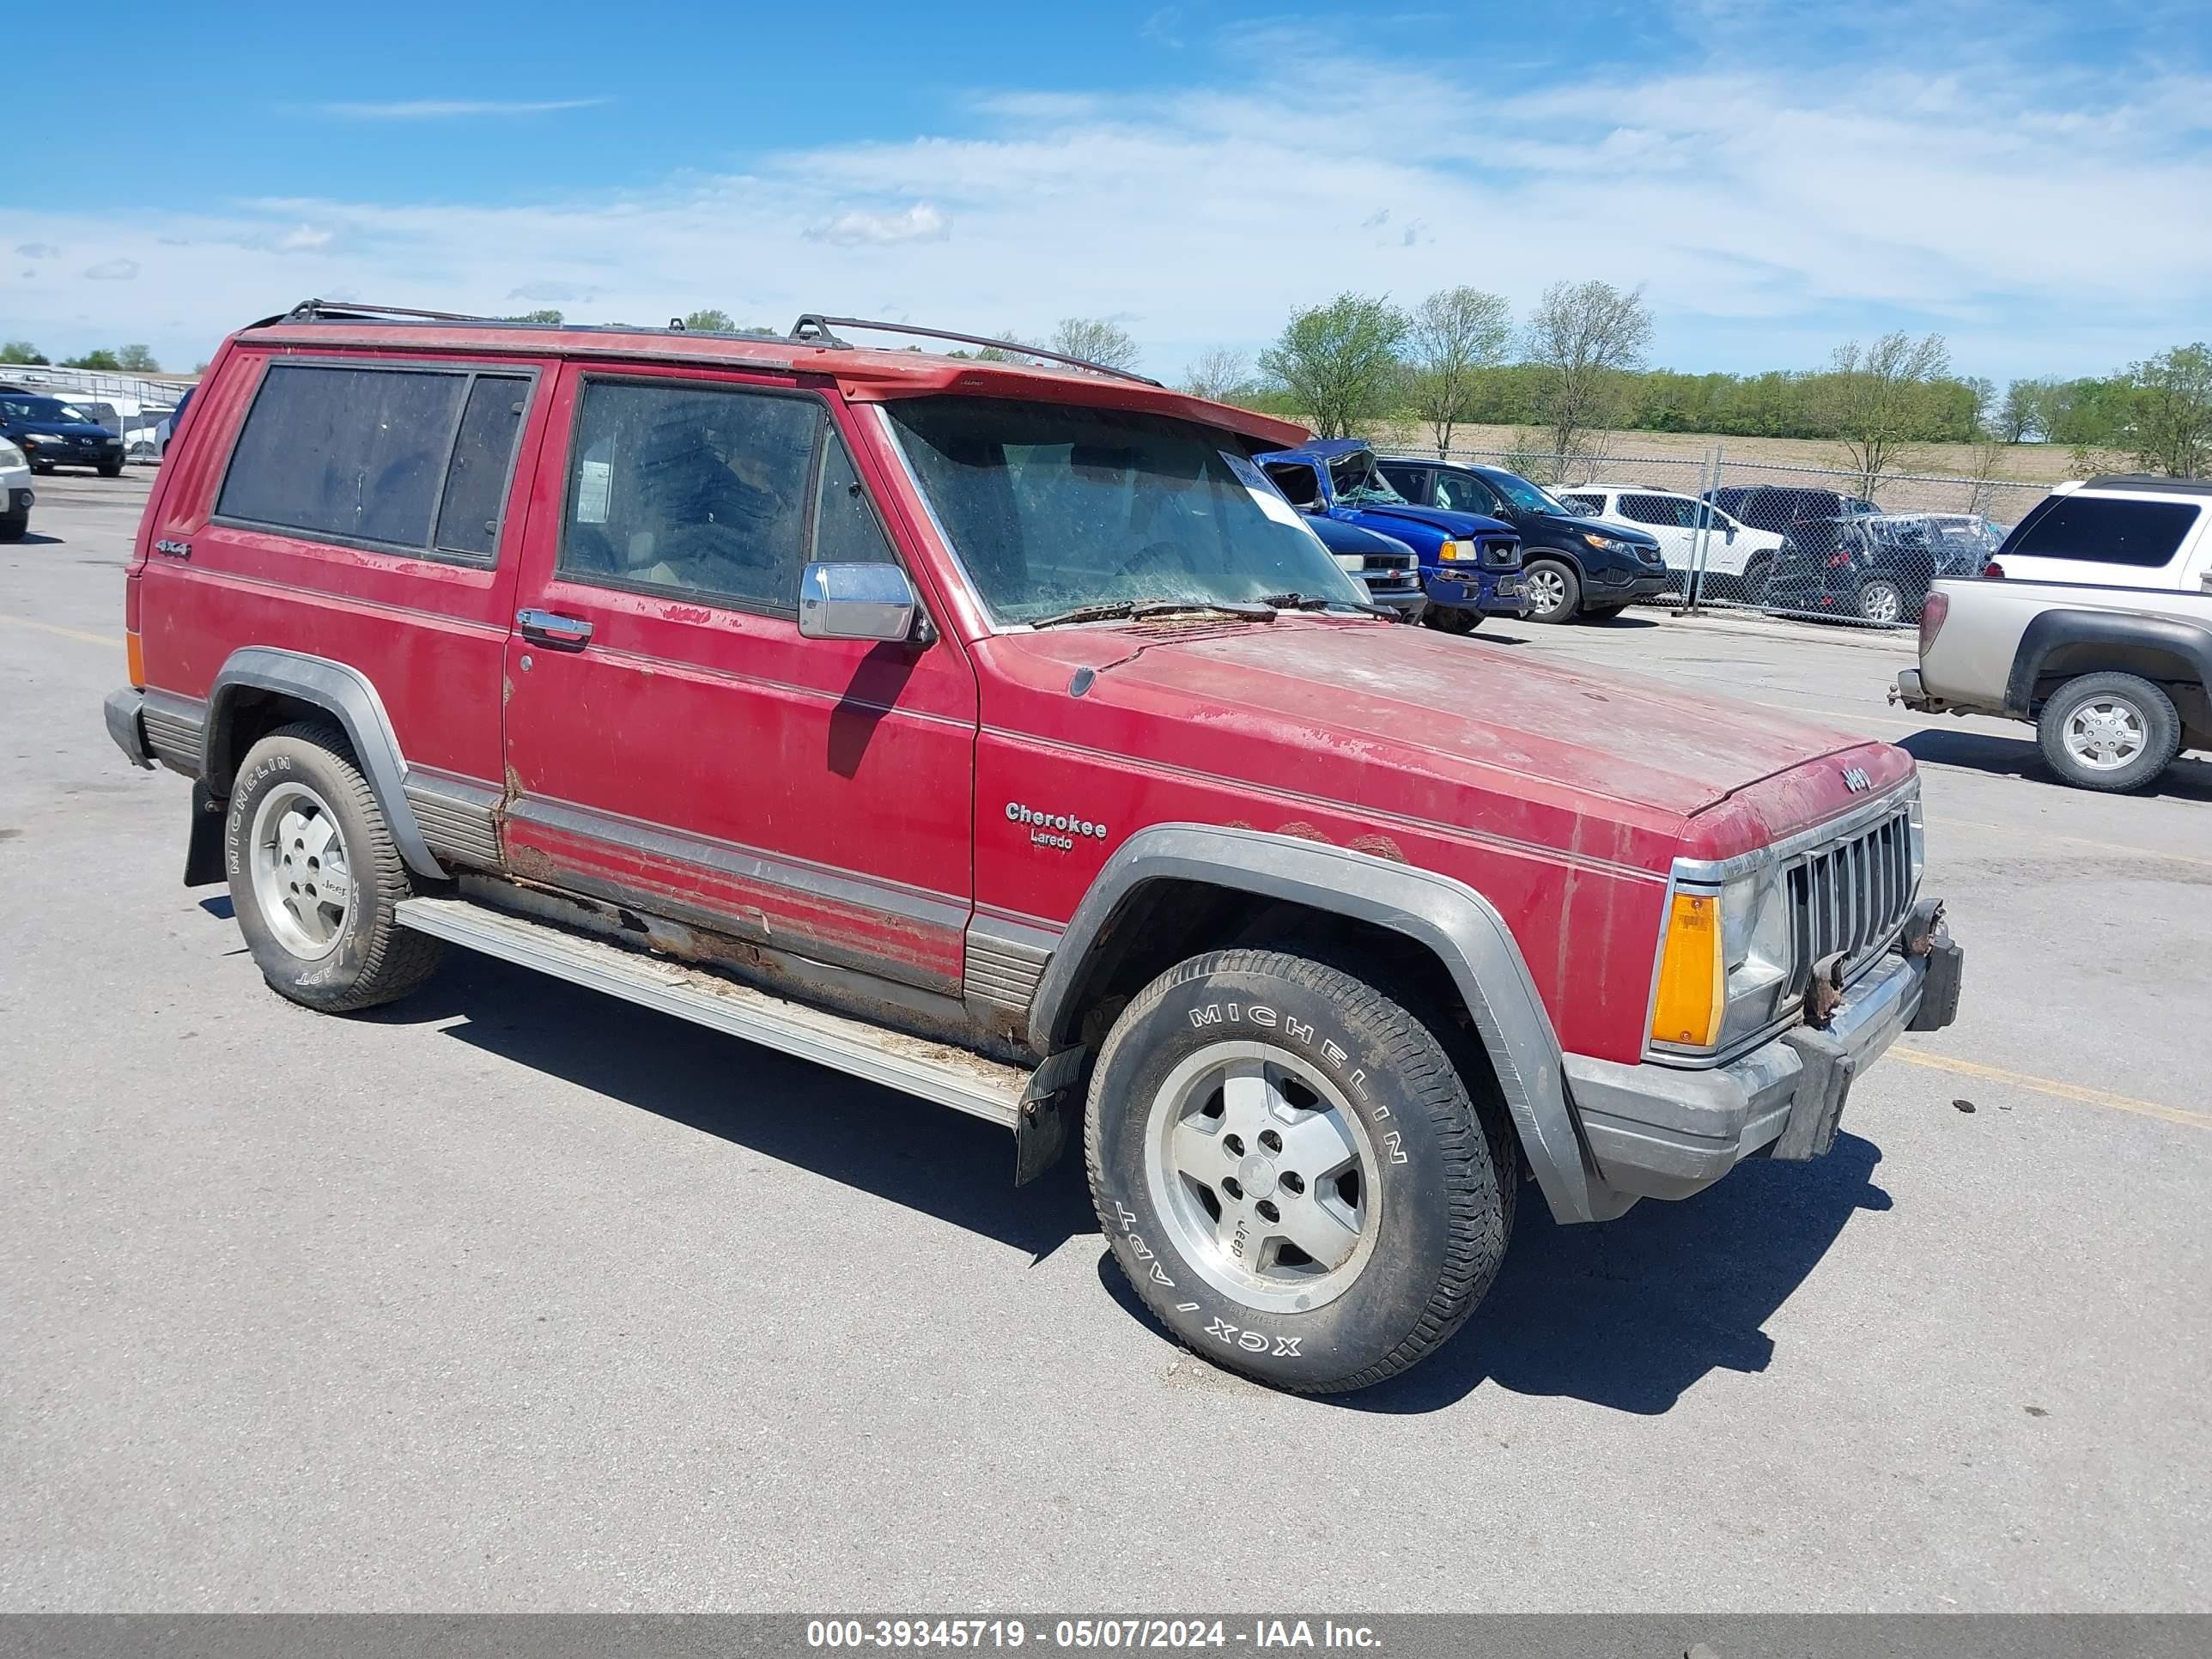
1054, 508
46, 408
1524, 495
1356, 481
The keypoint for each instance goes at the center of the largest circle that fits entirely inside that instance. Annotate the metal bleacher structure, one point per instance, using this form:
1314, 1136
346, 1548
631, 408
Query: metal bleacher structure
143, 393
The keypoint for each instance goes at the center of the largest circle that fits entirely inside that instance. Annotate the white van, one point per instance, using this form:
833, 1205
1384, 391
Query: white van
2129, 531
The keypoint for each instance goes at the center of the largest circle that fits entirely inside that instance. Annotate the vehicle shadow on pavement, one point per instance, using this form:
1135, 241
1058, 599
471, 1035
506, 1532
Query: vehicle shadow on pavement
909, 1151
1629, 1313
2020, 757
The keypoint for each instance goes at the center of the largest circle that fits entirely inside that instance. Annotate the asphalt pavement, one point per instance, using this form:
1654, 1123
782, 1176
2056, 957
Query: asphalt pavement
509, 1296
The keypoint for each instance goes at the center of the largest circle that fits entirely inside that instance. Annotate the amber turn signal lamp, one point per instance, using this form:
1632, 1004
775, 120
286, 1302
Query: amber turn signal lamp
134, 658
1692, 983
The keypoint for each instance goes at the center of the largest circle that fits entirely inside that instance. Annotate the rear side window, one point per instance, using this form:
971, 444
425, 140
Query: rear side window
700, 490
1585, 503
400, 460
2101, 530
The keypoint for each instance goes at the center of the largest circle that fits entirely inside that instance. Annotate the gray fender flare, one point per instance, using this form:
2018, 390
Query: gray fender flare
1449, 918
2050, 631
347, 695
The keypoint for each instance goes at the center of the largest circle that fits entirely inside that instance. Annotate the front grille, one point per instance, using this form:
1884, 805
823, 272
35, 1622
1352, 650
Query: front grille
1850, 895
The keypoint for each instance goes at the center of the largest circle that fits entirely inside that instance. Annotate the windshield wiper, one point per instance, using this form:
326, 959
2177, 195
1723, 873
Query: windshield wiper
1137, 610
1317, 602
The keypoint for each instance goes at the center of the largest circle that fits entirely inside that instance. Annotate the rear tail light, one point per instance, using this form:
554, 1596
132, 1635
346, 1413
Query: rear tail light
1932, 612
1993, 572
1838, 559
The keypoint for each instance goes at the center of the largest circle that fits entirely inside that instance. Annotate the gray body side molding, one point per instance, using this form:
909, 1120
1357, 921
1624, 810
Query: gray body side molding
352, 701
1456, 923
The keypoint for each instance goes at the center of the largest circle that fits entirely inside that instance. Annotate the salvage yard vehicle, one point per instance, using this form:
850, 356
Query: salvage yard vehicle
52, 433
16, 494
998, 733
1573, 566
2129, 530
1470, 564
2117, 681
1387, 567
1737, 559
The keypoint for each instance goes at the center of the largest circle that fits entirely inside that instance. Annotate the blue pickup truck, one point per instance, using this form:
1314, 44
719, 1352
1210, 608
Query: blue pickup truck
1470, 564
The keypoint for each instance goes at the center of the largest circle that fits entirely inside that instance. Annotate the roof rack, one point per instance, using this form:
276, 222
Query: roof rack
2151, 481
816, 329
312, 310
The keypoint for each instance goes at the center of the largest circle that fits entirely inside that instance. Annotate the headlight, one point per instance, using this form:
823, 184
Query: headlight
32, 439
114, 443
1458, 552
10, 455
1724, 962
1606, 543
1351, 562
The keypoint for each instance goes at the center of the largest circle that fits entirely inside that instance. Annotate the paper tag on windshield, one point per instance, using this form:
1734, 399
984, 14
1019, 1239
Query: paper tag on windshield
1269, 498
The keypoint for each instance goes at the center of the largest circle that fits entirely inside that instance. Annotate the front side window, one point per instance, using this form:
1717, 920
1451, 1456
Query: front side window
1298, 482
2103, 531
412, 460
700, 490
1457, 493
1523, 494
1053, 509
846, 529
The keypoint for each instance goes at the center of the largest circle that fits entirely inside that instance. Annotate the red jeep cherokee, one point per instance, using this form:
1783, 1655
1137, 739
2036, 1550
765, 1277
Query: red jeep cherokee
998, 733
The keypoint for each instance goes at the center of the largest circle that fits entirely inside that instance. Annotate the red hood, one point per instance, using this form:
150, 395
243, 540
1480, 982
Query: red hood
1406, 721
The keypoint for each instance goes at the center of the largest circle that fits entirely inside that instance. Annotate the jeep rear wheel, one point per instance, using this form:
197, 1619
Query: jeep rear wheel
315, 877
1290, 1172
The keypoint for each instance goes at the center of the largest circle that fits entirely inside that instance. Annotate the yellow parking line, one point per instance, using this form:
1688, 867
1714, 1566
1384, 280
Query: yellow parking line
66, 633
2044, 1085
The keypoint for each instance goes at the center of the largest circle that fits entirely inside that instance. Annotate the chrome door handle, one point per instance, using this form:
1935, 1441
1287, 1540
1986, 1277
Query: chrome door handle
545, 628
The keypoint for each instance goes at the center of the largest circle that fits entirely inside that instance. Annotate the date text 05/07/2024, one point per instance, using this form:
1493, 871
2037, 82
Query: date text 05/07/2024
1132, 1634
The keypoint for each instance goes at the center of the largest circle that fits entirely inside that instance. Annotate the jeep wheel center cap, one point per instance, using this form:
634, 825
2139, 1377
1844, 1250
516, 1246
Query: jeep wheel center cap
1257, 1176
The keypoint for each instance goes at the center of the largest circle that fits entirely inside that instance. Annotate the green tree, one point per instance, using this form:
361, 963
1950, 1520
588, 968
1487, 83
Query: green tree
546, 314
1583, 335
1453, 336
2024, 410
1880, 401
138, 360
98, 357
1096, 340
22, 351
1339, 362
2173, 411
709, 321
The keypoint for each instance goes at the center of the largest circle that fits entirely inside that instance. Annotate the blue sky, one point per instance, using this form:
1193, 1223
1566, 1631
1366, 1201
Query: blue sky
2030, 181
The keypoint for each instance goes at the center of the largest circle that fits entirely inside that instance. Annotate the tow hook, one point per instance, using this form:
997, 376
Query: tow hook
1924, 929
1826, 992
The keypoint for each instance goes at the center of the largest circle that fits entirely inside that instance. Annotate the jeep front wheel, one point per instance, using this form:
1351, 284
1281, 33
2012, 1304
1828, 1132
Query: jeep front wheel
1290, 1172
315, 877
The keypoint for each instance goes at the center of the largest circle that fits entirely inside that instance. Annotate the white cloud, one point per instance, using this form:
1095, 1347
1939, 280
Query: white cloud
1767, 216
446, 109
302, 239
112, 270
38, 251
857, 228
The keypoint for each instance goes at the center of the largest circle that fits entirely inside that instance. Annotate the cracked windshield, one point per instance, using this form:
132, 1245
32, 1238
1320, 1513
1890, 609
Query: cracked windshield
1055, 509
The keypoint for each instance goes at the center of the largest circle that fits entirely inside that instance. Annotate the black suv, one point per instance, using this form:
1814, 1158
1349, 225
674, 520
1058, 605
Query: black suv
52, 434
1842, 555
1575, 567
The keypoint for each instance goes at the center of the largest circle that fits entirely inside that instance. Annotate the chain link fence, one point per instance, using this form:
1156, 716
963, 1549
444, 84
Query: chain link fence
1814, 543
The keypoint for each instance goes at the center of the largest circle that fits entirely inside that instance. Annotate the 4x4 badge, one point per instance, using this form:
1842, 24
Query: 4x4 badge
1857, 781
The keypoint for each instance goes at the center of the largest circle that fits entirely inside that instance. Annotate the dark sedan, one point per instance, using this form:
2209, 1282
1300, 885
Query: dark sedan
52, 433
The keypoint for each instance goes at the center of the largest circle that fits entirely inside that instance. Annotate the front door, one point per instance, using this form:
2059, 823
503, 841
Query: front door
672, 742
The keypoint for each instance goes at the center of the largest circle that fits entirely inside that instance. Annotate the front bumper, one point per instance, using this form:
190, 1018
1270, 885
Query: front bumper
1499, 595
15, 501
1660, 1132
